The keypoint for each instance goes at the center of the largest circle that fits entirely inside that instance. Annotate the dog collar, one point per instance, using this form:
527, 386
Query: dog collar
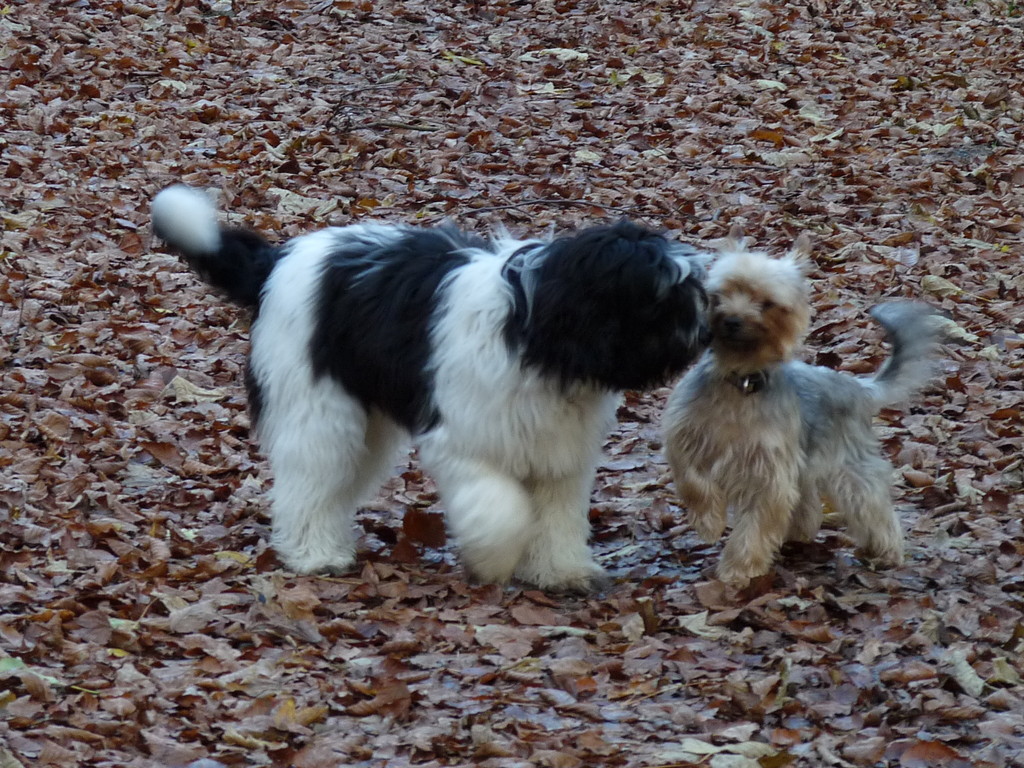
513, 267
749, 383
512, 271
517, 260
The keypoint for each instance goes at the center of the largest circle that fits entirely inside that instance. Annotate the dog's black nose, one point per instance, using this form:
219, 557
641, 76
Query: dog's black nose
731, 325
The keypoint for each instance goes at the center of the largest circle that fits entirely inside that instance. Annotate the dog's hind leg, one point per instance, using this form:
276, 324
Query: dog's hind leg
807, 515
861, 494
325, 461
489, 512
558, 556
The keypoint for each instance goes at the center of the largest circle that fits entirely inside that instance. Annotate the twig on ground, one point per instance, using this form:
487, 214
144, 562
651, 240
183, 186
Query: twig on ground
344, 104
403, 126
556, 201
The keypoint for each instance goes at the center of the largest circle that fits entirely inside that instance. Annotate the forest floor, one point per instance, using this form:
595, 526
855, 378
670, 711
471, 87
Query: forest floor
144, 621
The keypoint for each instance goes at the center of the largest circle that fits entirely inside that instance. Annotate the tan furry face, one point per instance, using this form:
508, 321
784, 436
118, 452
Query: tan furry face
759, 310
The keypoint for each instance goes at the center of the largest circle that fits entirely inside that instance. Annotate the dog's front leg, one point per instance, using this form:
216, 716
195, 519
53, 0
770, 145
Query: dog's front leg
705, 503
491, 515
558, 556
758, 531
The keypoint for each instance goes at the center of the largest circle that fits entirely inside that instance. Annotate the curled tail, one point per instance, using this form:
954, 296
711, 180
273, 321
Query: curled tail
236, 261
914, 330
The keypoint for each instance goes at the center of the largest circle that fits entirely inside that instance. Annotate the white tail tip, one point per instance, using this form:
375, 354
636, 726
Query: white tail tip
186, 219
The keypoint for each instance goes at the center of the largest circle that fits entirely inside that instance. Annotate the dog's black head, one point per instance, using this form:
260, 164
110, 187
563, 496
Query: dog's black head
617, 306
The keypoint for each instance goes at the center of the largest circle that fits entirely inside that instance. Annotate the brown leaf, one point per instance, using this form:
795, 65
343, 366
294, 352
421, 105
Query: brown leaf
54, 425
391, 698
764, 134
917, 479
166, 453
94, 627
526, 613
929, 754
424, 527
298, 601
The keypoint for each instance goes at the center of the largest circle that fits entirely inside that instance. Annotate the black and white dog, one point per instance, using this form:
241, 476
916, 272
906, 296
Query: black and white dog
503, 358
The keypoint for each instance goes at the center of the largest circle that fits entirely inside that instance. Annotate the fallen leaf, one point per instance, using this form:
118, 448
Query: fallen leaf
184, 391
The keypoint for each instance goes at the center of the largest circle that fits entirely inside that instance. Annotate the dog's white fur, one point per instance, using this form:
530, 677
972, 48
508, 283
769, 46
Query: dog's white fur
189, 212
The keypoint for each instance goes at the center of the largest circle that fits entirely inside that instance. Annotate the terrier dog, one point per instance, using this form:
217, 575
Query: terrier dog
751, 429
503, 358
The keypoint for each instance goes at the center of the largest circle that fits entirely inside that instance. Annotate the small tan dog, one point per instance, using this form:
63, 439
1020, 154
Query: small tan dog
753, 430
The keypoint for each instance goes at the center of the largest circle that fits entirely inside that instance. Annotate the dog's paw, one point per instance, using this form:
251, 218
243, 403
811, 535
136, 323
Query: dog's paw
319, 565
891, 557
595, 582
709, 527
583, 580
883, 546
803, 527
734, 579
738, 573
484, 574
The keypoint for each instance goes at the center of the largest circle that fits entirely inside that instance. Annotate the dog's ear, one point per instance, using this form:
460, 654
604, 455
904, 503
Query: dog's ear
802, 246
734, 242
800, 253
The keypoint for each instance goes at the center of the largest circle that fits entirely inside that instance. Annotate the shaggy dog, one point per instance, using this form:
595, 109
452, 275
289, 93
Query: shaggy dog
503, 358
751, 429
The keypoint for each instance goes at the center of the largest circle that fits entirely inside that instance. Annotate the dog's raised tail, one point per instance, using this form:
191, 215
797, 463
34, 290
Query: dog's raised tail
235, 261
914, 329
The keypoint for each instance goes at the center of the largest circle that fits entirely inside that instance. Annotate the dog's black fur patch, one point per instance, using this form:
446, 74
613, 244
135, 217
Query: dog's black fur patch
600, 293
239, 267
254, 392
373, 316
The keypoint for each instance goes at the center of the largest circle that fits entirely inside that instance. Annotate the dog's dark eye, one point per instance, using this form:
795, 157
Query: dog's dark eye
767, 304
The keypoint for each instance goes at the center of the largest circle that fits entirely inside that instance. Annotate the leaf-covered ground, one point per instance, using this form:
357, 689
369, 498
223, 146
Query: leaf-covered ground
143, 619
